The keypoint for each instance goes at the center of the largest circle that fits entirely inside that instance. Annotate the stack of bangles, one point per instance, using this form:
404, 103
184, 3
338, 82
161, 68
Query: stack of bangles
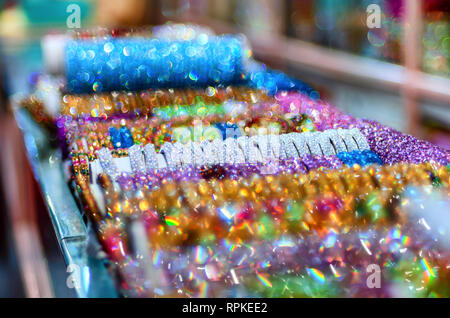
89, 135
242, 227
262, 216
205, 176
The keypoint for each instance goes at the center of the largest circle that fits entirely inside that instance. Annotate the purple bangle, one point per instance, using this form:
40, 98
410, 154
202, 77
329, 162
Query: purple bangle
293, 165
393, 146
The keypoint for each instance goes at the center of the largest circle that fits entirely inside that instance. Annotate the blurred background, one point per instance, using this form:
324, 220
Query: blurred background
397, 73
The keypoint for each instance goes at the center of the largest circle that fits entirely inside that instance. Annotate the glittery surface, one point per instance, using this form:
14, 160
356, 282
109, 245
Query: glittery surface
275, 81
233, 171
105, 105
361, 158
393, 146
137, 160
138, 63
106, 161
311, 266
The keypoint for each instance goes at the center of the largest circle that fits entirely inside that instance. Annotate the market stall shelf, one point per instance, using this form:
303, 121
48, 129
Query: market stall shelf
86, 273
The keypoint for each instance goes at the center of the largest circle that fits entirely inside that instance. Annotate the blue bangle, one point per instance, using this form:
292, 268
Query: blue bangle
275, 81
100, 65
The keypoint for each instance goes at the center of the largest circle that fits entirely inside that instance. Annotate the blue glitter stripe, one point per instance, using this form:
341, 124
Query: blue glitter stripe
140, 63
361, 158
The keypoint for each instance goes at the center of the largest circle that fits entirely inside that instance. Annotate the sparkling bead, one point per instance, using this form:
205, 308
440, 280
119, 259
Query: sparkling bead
288, 145
150, 157
137, 160
107, 163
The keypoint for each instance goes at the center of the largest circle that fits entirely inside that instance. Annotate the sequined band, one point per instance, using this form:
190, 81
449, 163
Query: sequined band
143, 102
138, 63
229, 151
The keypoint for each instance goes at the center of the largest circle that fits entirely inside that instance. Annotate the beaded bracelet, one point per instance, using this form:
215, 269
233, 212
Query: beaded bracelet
266, 220
314, 266
105, 105
341, 181
143, 102
261, 148
258, 75
88, 136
